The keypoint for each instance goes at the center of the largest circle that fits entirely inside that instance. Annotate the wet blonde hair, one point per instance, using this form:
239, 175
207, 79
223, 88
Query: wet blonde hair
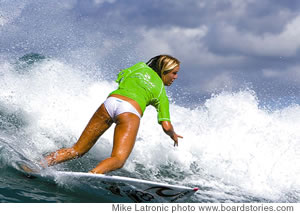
163, 64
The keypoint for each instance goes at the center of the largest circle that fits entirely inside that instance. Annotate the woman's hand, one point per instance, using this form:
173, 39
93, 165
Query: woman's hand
175, 138
169, 130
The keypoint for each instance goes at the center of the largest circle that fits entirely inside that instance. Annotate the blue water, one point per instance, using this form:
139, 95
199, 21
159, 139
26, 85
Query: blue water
234, 149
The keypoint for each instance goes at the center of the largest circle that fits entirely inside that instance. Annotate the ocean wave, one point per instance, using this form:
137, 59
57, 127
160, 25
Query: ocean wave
233, 148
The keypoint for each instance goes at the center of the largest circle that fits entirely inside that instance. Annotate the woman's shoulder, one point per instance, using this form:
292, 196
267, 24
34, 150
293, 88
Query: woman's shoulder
142, 69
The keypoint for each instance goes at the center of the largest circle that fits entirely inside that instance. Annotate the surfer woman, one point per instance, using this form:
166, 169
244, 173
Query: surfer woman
139, 86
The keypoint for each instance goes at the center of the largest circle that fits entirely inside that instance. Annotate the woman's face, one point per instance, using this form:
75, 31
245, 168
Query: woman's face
169, 78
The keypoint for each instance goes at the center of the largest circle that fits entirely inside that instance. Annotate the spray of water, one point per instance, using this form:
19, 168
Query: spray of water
232, 148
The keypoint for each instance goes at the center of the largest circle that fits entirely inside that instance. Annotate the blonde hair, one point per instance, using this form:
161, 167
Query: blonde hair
163, 64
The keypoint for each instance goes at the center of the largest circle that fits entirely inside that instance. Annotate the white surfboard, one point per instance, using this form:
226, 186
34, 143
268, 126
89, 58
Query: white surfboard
122, 189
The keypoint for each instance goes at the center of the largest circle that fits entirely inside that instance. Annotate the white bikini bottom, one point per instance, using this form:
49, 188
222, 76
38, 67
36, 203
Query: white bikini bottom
116, 106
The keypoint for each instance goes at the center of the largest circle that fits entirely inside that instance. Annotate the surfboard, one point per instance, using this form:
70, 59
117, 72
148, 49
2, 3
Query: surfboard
121, 189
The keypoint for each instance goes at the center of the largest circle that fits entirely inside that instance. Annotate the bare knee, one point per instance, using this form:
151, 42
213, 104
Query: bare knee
109, 164
119, 162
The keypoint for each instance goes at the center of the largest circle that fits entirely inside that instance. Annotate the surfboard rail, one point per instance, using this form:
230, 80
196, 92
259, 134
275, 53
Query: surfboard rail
123, 189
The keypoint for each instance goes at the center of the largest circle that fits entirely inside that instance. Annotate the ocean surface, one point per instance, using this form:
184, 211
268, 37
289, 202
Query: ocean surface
234, 149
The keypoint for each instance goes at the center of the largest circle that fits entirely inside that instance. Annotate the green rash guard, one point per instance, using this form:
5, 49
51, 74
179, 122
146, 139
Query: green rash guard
143, 85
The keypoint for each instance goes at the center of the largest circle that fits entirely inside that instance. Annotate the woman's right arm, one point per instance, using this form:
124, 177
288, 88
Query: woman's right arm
169, 130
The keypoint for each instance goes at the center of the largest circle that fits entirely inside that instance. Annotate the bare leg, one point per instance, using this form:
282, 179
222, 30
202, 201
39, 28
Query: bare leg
124, 139
97, 125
